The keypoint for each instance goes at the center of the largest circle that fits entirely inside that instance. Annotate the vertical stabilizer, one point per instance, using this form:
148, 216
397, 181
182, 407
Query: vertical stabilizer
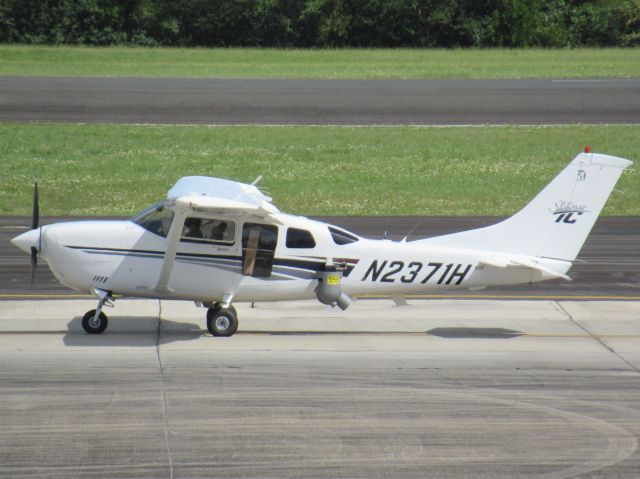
555, 224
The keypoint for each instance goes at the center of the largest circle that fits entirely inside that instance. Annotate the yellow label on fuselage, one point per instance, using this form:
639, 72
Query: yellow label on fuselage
333, 279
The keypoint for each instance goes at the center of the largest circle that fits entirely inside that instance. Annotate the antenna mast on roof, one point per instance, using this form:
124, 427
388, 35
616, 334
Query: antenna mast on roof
256, 181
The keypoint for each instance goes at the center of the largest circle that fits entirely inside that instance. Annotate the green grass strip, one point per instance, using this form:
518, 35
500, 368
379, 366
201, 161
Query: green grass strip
314, 170
320, 64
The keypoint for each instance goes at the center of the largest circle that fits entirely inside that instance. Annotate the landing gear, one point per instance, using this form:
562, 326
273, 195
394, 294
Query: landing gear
222, 321
95, 321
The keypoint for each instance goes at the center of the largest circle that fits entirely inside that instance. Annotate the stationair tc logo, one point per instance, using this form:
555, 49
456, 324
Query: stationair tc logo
567, 212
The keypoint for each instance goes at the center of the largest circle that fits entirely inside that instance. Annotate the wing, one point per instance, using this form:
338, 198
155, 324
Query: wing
207, 206
218, 188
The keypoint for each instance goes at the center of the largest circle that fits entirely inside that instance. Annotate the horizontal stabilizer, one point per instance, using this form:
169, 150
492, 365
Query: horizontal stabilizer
520, 263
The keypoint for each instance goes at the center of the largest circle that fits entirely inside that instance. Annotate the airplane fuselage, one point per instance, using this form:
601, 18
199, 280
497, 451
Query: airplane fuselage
125, 259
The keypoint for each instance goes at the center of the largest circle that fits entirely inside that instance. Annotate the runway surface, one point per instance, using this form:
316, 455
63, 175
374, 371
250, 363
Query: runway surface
448, 389
608, 265
302, 102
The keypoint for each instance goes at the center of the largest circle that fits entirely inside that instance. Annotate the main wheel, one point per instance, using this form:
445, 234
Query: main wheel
93, 325
222, 321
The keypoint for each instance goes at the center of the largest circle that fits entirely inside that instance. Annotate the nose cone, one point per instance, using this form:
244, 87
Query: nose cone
28, 240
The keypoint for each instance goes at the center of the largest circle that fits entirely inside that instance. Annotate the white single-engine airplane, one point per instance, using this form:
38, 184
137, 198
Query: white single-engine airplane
216, 241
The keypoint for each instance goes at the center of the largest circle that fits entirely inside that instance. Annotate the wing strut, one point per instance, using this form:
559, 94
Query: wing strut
173, 239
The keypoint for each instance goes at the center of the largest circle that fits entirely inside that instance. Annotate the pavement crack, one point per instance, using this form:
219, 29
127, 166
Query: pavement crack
597, 338
164, 392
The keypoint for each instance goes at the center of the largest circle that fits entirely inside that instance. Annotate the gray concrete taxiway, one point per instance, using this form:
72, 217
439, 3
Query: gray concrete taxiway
483, 389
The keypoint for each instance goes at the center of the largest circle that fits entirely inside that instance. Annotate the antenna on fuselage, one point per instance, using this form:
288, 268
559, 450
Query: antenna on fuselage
262, 190
404, 240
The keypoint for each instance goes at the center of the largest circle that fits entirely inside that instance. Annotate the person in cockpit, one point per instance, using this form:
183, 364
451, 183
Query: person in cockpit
192, 228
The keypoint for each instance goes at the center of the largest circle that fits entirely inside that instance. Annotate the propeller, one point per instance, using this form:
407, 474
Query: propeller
34, 225
36, 206
34, 263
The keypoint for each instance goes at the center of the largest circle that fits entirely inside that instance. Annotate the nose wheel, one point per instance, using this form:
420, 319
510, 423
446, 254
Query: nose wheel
94, 322
222, 321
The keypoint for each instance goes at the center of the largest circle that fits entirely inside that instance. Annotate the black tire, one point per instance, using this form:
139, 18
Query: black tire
222, 321
90, 326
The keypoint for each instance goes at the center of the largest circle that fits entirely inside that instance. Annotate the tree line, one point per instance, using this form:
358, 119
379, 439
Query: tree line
322, 23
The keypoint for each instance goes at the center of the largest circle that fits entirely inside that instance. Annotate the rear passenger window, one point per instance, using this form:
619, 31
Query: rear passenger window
341, 237
297, 238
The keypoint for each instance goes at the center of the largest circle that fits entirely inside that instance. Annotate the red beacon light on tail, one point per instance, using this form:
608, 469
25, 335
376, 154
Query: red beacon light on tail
587, 149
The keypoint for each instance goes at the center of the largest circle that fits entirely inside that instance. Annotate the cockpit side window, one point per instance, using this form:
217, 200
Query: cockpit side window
342, 237
156, 219
208, 230
298, 238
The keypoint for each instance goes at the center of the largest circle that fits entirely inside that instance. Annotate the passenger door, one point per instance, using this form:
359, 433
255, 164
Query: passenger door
259, 243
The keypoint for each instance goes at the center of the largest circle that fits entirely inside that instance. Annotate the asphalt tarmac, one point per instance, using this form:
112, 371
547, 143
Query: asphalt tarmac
303, 102
608, 265
447, 389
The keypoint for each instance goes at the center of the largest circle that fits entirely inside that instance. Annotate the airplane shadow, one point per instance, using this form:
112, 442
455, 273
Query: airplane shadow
475, 333
442, 332
132, 331
142, 331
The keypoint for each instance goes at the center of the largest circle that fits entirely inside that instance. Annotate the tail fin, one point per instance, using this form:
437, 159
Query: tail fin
555, 224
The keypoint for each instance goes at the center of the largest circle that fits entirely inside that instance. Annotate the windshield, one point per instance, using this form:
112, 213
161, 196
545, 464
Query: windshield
156, 219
